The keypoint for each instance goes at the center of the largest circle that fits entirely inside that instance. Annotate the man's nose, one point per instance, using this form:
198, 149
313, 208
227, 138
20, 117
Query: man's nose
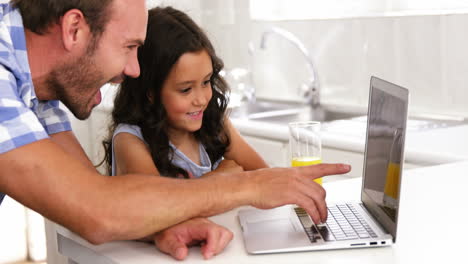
132, 69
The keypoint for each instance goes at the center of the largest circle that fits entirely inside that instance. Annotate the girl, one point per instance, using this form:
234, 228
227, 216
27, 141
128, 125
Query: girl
171, 120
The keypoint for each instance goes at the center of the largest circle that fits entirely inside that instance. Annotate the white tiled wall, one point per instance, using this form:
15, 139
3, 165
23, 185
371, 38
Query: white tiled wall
427, 54
190, 6
419, 61
456, 60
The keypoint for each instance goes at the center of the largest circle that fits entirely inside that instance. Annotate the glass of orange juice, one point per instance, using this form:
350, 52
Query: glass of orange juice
305, 144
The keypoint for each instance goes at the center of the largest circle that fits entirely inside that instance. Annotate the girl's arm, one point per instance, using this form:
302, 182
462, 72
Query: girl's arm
132, 155
241, 152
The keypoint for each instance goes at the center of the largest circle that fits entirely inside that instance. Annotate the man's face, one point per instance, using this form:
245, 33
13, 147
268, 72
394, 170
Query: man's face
77, 85
77, 82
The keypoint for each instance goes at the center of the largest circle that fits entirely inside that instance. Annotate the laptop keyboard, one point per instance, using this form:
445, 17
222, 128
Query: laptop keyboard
343, 223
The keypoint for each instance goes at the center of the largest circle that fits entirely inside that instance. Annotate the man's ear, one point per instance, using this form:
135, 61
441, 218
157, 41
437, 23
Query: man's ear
75, 30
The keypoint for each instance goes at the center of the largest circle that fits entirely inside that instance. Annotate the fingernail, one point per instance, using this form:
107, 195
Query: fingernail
208, 255
179, 253
346, 166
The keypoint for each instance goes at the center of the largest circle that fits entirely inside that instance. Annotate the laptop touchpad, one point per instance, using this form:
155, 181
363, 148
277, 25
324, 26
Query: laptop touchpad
271, 226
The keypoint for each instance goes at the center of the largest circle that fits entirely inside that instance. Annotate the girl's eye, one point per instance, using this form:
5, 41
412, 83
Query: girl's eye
207, 82
186, 90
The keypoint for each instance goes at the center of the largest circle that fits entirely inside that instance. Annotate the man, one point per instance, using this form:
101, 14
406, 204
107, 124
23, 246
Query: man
65, 52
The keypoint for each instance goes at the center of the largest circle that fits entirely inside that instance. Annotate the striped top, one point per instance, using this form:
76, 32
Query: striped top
23, 118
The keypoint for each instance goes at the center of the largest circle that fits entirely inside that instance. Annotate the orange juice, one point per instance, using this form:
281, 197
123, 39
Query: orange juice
304, 161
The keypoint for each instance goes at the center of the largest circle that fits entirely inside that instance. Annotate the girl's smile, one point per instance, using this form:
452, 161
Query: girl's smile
198, 115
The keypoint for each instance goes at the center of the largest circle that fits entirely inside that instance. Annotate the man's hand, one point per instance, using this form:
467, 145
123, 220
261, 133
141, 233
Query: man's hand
176, 239
280, 186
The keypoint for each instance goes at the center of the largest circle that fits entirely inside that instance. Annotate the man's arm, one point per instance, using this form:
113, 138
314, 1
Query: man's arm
70, 144
44, 177
47, 179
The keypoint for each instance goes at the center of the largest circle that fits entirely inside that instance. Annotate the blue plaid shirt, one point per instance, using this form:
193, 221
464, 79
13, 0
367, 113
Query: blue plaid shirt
23, 118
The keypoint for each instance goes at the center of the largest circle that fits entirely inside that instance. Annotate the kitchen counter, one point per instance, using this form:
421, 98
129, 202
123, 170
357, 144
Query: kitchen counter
423, 146
426, 201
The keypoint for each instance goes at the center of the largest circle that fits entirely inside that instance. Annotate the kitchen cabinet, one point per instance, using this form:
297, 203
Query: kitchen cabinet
355, 159
276, 154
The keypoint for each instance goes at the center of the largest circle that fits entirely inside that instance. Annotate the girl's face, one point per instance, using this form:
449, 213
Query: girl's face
187, 90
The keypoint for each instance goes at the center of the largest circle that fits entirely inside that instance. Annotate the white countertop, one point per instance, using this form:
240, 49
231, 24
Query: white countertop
431, 229
426, 147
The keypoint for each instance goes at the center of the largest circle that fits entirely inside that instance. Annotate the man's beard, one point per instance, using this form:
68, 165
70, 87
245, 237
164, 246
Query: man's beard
72, 83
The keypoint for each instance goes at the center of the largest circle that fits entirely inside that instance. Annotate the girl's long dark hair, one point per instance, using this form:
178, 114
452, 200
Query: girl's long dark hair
170, 34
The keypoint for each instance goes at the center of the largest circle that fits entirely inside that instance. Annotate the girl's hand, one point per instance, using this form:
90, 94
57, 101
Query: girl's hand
175, 240
229, 166
225, 166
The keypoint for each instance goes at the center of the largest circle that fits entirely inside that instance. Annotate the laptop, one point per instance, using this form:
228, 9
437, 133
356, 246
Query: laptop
369, 223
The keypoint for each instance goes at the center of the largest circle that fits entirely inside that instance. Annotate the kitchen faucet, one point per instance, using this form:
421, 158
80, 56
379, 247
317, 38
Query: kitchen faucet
311, 89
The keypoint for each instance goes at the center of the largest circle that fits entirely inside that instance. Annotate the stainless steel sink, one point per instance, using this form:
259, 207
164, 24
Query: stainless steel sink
283, 113
346, 118
265, 108
320, 114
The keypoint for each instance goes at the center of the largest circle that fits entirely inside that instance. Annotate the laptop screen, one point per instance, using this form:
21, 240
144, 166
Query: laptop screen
383, 162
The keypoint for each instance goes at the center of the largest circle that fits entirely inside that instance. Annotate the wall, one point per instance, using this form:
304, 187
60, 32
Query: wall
13, 232
427, 54
192, 7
